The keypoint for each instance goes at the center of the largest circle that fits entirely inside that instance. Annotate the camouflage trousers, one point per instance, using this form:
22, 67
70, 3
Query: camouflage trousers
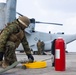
9, 55
39, 51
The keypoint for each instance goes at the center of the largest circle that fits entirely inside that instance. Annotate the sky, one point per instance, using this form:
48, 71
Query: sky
53, 11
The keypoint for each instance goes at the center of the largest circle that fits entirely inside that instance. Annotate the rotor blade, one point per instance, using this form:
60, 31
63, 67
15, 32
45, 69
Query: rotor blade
33, 20
19, 14
49, 23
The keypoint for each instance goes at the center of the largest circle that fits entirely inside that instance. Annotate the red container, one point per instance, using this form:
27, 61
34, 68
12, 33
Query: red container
60, 55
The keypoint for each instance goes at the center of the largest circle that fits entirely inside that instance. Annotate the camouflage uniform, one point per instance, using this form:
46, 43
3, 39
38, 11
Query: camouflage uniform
39, 47
10, 38
42, 47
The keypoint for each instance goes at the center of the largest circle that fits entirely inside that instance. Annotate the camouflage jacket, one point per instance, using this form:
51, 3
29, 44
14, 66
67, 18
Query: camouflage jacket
9, 30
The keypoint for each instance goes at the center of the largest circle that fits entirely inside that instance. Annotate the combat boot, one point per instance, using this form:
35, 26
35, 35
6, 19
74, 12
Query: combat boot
5, 64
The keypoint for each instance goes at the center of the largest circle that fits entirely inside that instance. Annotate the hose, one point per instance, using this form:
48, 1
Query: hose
17, 62
10, 67
13, 65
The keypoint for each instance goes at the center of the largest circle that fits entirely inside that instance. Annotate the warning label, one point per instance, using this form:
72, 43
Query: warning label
57, 53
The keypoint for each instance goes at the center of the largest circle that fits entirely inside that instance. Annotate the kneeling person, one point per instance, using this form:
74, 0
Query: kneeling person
10, 38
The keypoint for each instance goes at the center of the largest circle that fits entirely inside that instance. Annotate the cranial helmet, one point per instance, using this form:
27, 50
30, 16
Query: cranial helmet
25, 21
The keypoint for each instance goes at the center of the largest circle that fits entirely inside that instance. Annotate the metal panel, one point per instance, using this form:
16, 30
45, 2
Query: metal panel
2, 15
10, 10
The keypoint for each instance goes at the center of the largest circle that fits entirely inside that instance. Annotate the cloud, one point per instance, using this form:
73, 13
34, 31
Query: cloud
2, 0
70, 25
56, 11
59, 5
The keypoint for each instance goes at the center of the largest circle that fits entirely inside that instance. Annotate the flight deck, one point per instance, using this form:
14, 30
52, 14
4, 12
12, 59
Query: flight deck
49, 70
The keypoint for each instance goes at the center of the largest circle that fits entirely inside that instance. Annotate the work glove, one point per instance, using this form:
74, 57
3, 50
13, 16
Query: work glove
30, 58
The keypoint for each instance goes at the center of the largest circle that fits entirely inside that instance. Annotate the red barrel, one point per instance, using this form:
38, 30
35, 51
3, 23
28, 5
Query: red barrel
60, 55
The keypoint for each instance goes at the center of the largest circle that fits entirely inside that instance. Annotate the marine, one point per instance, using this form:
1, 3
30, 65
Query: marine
10, 38
39, 47
43, 46
53, 52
